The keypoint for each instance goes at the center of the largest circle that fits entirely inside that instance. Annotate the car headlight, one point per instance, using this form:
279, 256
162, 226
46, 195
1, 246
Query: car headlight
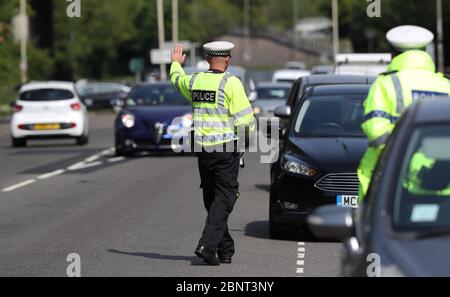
128, 120
181, 125
297, 167
186, 121
257, 110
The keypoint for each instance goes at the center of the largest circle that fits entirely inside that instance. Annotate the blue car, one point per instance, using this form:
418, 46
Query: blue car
155, 117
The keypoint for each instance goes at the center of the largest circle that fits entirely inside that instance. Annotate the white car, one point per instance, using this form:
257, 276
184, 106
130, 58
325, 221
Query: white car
289, 75
48, 110
362, 64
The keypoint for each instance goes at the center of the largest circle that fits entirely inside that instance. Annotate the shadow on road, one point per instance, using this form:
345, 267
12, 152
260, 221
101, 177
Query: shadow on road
192, 259
263, 187
260, 229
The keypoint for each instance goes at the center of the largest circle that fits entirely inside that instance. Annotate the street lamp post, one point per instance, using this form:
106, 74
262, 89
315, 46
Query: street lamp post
295, 17
161, 37
175, 31
247, 55
23, 42
440, 36
335, 13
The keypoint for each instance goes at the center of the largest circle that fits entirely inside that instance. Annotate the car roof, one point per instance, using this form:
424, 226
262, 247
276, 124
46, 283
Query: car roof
271, 84
152, 84
434, 110
291, 73
36, 85
339, 89
338, 79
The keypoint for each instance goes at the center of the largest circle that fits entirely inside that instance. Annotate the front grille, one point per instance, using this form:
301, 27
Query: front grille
344, 183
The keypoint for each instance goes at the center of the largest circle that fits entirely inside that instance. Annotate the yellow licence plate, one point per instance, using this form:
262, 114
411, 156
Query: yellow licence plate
47, 127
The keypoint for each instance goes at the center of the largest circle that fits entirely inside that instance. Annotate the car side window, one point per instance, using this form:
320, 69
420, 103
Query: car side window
292, 97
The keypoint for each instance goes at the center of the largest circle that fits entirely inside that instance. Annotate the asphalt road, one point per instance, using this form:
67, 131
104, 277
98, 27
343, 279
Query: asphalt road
140, 216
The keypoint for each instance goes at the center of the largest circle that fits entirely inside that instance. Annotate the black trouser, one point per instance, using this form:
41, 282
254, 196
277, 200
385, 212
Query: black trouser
219, 176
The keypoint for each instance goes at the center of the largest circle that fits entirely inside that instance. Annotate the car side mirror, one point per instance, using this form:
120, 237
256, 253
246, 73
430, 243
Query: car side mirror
117, 104
283, 111
332, 222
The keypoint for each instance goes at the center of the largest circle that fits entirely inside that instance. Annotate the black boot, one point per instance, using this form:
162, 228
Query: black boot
225, 259
208, 255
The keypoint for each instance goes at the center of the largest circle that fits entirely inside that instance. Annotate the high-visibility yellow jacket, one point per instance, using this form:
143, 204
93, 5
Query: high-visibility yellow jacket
220, 105
411, 76
413, 182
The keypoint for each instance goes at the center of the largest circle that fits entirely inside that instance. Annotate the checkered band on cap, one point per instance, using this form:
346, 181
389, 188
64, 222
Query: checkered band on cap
218, 53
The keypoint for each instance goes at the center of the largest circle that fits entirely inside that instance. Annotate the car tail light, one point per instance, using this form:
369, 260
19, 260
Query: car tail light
17, 108
72, 125
22, 127
75, 106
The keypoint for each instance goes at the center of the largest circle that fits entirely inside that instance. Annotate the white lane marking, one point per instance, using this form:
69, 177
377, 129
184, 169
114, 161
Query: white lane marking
117, 159
109, 151
301, 251
20, 185
87, 163
83, 165
92, 158
51, 174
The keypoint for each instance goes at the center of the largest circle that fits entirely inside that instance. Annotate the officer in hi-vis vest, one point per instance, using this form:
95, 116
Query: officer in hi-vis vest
220, 110
411, 76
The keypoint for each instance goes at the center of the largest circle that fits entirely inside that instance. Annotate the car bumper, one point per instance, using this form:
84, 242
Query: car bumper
129, 143
302, 192
78, 120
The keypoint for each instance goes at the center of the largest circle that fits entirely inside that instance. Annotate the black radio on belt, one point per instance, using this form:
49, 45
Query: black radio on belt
204, 96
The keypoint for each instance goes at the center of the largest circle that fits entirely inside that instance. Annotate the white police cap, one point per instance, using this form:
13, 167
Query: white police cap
218, 48
409, 37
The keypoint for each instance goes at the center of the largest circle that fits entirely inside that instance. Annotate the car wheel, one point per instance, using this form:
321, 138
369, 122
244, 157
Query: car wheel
82, 140
120, 152
277, 230
18, 142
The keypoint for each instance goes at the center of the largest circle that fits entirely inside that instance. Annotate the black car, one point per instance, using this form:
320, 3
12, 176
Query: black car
155, 117
403, 226
100, 95
303, 83
319, 155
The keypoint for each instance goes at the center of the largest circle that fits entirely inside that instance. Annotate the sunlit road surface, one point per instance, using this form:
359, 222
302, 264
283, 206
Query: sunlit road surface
139, 216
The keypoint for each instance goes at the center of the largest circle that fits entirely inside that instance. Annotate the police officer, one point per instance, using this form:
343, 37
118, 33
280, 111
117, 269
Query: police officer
220, 110
411, 76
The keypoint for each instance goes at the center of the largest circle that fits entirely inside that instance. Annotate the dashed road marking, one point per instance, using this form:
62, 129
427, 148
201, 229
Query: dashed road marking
87, 163
83, 165
51, 174
19, 185
301, 251
92, 158
116, 159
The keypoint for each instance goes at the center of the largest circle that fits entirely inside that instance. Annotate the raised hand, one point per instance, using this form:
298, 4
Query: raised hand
177, 54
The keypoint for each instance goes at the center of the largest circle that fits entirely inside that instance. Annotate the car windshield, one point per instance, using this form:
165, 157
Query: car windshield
101, 88
331, 116
269, 93
422, 199
155, 95
46, 95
